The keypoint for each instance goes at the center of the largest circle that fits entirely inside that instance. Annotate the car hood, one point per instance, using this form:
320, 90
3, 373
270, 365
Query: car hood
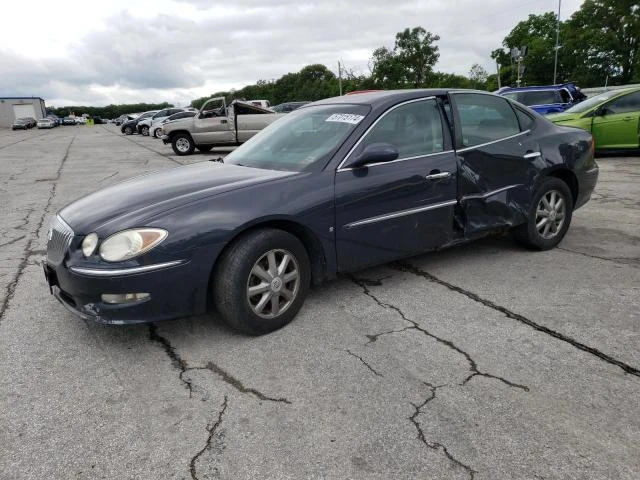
143, 197
564, 117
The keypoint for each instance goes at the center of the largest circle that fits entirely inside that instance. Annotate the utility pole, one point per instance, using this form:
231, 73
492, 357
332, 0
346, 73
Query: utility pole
340, 77
555, 63
498, 69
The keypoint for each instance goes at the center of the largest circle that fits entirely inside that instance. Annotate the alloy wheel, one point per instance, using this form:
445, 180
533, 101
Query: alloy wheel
550, 214
273, 284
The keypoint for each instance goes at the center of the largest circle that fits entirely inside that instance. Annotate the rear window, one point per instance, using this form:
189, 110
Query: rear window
535, 97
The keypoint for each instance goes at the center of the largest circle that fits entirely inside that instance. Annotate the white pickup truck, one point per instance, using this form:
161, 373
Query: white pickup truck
217, 124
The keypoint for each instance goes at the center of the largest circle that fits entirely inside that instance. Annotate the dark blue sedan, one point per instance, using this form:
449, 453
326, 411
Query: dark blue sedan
335, 186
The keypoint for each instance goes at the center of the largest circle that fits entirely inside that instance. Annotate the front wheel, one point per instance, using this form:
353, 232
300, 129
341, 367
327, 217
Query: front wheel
549, 216
182, 144
262, 281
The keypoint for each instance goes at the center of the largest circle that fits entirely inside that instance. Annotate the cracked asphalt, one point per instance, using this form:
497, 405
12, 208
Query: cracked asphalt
484, 361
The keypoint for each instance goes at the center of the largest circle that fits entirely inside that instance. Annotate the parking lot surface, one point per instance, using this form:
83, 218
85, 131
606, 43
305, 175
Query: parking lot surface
485, 361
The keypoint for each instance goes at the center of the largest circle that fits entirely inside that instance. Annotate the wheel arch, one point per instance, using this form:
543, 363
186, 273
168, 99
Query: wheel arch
568, 177
304, 234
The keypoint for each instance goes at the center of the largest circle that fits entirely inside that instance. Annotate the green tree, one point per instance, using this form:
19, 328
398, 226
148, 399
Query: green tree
603, 41
478, 76
411, 61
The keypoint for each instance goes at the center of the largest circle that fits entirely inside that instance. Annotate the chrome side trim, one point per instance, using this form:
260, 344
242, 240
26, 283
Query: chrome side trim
401, 213
107, 272
339, 169
532, 155
491, 142
489, 194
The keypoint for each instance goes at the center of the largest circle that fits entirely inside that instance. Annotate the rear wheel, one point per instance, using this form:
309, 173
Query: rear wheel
262, 281
182, 144
128, 130
144, 130
549, 216
157, 132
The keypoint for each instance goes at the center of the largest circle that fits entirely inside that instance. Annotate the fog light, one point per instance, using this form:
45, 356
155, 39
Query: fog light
119, 298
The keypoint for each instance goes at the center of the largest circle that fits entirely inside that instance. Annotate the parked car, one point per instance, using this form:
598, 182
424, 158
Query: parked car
613, 118
124, 118
23, 123
156, 127
81, 121
266, 104
69, 121
131, 126
288, 106
46, 123
145, 124
217, 124
56, 120
339, 185
545, 99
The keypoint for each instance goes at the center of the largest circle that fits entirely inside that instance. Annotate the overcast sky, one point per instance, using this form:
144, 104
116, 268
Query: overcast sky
111, 51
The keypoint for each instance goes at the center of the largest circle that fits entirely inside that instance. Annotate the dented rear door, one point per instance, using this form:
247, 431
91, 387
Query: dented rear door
498, 160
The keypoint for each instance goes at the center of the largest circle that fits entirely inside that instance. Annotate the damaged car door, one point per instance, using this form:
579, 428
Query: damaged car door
497, 154
402, 204
213, 125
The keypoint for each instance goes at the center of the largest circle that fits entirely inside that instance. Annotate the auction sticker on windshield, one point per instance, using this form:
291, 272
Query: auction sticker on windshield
345, 118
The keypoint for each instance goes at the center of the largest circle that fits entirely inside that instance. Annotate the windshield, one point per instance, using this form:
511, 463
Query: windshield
589, 103
302, 140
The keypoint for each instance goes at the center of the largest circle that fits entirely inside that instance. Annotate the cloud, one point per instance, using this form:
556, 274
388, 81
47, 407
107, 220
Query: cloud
203, 46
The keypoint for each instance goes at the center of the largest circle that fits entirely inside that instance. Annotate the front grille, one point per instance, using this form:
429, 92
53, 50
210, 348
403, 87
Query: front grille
59, 238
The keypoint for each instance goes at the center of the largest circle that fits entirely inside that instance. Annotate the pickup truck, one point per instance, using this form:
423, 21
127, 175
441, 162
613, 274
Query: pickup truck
216, 125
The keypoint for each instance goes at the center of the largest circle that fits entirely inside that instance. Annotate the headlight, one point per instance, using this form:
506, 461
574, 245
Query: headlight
131, 243
89, 244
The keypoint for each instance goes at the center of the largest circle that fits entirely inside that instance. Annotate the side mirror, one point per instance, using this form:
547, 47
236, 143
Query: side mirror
374, 153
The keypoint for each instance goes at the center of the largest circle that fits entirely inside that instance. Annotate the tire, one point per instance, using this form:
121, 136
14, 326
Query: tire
182, 144
157, 133
205, 148
128, 131
144, 131
549, 216
246, 299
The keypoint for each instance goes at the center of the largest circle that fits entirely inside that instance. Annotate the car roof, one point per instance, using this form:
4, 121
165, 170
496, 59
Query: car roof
376, 98
534, 88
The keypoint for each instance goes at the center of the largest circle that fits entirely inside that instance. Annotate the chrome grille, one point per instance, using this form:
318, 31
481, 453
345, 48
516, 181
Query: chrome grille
58, 240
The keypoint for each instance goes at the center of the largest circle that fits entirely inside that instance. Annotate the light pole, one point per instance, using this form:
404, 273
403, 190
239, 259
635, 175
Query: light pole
555, 63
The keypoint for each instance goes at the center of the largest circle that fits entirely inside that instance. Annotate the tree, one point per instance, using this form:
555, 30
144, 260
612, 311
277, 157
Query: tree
604, 40
478, 76
410, 63
538, 33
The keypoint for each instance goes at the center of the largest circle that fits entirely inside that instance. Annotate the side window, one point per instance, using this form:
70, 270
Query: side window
484, 118
566, 96
415, 129
161, 113
626, 103
526, 121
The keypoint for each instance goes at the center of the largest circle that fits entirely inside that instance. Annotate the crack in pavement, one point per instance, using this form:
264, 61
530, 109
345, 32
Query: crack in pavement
621, 260
435, 445
237, 384
126, 137
212, 430
180, 364
473, 366
12, 241
363, 362
26, 253
176, 360
406, 267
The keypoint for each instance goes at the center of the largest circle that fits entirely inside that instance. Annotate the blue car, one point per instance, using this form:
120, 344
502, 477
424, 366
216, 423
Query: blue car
545, 99
334, 186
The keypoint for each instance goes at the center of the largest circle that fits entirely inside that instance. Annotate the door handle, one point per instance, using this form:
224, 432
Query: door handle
223, 121
438, 176
532, 155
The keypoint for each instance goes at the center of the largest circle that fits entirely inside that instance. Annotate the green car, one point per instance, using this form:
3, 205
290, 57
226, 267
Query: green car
613, 118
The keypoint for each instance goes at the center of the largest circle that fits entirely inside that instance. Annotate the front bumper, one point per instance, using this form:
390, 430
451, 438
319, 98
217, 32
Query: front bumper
173, 291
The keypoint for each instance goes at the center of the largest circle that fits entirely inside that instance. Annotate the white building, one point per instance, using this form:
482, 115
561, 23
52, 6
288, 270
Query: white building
18, 107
